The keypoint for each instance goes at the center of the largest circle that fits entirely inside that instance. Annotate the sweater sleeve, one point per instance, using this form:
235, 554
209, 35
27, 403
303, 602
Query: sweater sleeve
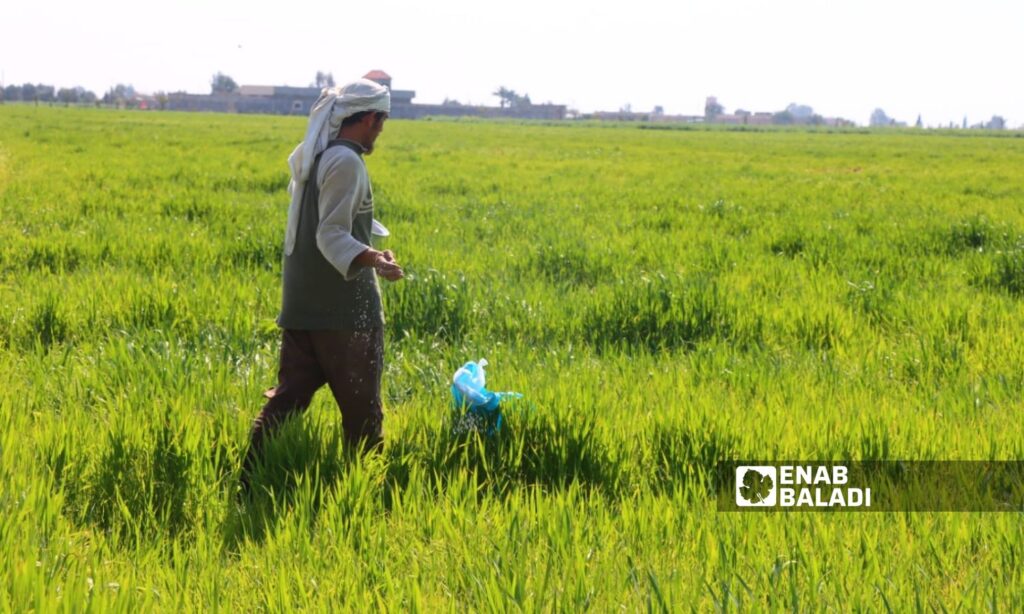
342, 181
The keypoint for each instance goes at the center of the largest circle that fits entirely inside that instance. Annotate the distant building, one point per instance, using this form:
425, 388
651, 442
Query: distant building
761, 118
398, 97
794, 114
256, 90
268, 99
286, 100
745, 118
379, 76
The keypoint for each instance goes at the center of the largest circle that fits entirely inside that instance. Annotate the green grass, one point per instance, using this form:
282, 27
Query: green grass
665, 299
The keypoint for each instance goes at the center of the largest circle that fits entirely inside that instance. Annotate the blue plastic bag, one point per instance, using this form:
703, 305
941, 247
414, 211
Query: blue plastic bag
482, 407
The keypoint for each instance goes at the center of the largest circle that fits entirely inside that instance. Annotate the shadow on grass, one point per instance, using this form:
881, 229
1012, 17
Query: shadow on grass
533, 447
138, 486
159, 484
300, 465
307, 466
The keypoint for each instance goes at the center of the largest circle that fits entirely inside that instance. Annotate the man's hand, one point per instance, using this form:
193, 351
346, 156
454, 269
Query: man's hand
382, 262
387, 267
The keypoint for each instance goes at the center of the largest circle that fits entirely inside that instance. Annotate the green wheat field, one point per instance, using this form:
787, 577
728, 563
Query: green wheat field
664, 299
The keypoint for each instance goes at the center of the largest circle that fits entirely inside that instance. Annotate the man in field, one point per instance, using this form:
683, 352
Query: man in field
331, 312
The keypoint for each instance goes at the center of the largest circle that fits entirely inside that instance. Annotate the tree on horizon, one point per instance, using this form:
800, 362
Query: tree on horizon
879, 118
222, 84
323, 79
505, 95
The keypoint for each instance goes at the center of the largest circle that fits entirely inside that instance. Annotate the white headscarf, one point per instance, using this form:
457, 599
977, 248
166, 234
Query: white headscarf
329, 110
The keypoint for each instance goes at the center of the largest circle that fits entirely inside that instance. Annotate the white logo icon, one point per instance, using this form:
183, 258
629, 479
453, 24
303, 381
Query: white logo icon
756, 486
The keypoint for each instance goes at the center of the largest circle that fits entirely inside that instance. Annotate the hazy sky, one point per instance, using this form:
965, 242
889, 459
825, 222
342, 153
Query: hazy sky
944, 59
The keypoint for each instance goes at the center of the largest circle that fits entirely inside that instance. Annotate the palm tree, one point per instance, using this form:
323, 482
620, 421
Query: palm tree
506, 95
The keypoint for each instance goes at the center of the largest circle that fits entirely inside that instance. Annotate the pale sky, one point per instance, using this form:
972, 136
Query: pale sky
943, 59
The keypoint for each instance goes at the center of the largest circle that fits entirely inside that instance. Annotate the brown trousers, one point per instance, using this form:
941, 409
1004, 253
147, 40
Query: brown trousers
349, 362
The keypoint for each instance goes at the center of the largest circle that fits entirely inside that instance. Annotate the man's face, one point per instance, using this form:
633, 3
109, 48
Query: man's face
375, 127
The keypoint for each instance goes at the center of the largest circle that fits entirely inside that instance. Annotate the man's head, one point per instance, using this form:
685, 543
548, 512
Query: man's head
359, 111
334, 106
363, 127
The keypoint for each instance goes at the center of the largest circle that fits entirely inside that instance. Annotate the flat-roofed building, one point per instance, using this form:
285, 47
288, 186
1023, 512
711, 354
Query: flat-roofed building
287, 100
